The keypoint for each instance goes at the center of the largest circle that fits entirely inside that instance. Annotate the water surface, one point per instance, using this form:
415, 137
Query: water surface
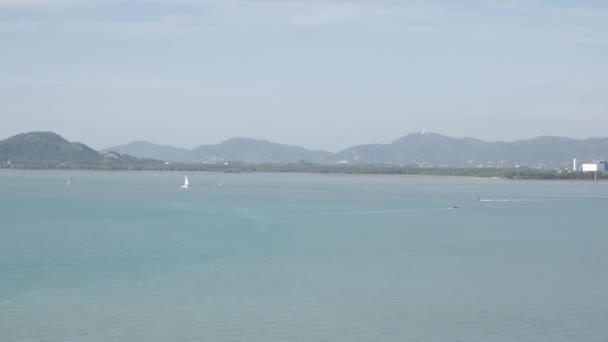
129, 256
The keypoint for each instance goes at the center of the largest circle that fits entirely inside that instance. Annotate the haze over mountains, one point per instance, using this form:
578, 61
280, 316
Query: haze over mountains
235, 149
47, 149
428, 149
43, 147
422, 149
432, 149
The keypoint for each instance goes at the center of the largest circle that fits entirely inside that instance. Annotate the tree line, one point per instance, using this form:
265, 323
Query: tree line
305, 167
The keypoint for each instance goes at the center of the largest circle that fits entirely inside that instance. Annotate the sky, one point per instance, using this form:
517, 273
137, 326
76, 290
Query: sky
319, 74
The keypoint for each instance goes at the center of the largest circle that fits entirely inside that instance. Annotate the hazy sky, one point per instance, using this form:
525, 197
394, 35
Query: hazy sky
321, 74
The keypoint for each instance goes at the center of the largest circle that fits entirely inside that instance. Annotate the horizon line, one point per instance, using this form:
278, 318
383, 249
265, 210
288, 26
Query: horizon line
419, 133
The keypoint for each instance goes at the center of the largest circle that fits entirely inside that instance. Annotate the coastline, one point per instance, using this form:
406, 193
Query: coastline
427, 173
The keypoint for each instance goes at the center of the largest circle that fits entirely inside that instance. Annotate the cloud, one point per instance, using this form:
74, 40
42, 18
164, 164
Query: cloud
498, 21
122, 82
163, 27
291, 12
572, 9
41, 3
241, 14
17, 25
187, 14
584, 39
330, 13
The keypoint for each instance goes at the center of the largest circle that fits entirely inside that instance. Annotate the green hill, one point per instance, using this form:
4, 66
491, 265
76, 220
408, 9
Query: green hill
432, 149
42, 150
39, 148
236, 149
143, 149
255, 151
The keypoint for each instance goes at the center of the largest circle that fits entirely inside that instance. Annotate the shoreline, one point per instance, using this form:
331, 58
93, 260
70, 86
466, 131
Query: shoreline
329, 174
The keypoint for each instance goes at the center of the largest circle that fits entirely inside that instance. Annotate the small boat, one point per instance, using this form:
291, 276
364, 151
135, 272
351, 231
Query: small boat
186, 184
454, 207
69, 182
221, 184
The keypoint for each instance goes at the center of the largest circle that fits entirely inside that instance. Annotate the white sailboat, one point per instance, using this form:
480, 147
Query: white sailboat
69, 182
185, 186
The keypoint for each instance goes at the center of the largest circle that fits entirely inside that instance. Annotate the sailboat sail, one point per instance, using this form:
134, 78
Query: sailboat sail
186, 183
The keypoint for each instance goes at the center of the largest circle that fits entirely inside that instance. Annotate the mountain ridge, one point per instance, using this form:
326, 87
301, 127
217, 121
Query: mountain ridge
45, 146
234, 149
415, 149
43, 149
433, 149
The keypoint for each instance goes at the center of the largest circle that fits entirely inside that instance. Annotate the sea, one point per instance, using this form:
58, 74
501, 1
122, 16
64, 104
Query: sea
130, 256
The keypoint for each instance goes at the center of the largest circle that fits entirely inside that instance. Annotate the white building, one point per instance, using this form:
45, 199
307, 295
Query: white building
590, 167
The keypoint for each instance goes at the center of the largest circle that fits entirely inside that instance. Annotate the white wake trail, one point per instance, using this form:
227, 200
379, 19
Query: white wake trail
359, 212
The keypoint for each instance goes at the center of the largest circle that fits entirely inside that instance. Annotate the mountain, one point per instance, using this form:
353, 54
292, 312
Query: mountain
416, 149
553, 151
255, 151
235, 149
50, 150
432, 149
143, 149
45, 147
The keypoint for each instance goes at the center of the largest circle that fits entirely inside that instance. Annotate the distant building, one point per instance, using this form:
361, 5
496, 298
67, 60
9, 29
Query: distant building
111, 155
590, 167
603, 166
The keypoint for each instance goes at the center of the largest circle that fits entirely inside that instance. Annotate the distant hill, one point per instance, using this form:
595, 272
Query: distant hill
47, 149
255, 151
143, 149
432, 149
236, 149
50, 150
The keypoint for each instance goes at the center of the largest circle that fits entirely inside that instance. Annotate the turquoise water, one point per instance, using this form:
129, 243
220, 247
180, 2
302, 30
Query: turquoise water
130, 256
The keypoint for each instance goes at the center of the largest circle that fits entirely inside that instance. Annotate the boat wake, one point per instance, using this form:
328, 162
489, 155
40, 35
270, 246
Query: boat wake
361, 212
506, 200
